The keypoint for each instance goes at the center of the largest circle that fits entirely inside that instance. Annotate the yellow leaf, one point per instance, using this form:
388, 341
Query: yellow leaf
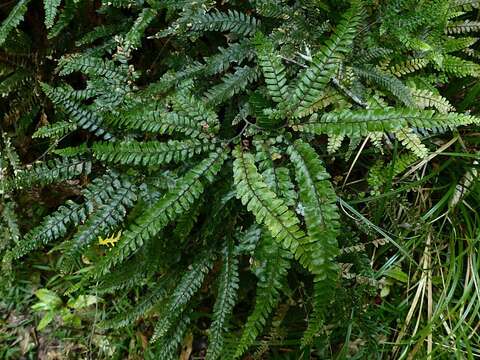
111, 240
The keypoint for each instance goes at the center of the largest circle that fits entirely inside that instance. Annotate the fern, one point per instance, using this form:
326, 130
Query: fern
231, 85
51, 8
13, 20
49, 172
186, 288
168, 208
268, 209
227, 289
202, 151
273, 71
324, 64
232, 21
362, 122
270, 283
149, 153
318, 204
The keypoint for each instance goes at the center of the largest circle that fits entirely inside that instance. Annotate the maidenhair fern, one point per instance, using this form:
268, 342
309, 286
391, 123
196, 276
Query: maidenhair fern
205, 135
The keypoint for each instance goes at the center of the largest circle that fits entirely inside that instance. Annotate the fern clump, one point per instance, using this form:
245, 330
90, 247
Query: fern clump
204, 135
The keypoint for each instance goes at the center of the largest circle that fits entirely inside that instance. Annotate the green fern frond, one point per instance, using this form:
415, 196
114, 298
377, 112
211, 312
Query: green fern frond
376, 176
104, 220
362, 122
49, 172
162, 122
231, 85
167, 347
334, 143
412, 142
278, 180
13, 20
66, 16
456, 44
88, 65
463, 27
427, 99
235, 53
228, 283
232, 21
15, 81
187, 286
273, 70
141, 309
268, 209
271, 280
313, 81
149, 153
409, 66
134, 36
318, 204
190, 107
82, 116
51, 8
100, 32
459, 67
9, 230
52, 228
387, 82
55, 130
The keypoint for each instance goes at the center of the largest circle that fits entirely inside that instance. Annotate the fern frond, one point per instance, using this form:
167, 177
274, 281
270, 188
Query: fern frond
51, 8
66, 16
134, 36
13, 20
234, 54
167, 348
376, 176
412, 142
232, 21
149, 153
227, 293
459, 67
88, 65
278, 180
313, 81
49, 172
231, 85
334, 143
104, 219
271, 281
188, 285
52, 228
273, 70
456, 44
190, 107
427, 99
100, 32
153, 297
318, 202
268, 209
83, 117
409, 66
15, 81
161, 122
462, 27
55, 130
10, 232
362, 122
387, 82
